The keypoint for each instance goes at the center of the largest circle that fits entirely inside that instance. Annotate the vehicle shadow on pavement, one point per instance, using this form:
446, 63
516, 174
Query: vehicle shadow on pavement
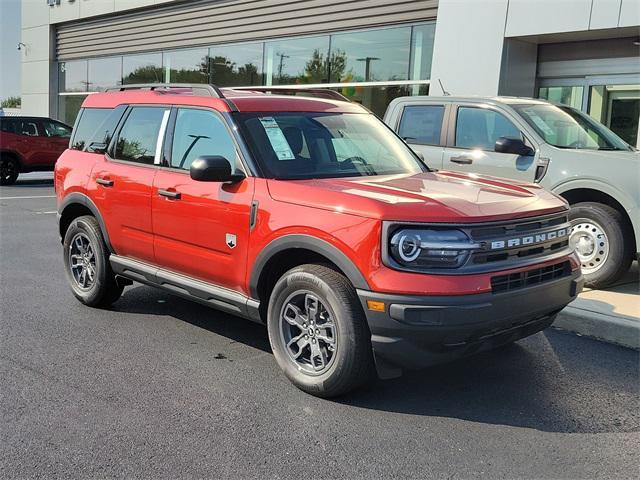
151, 301
551, 382
40, 182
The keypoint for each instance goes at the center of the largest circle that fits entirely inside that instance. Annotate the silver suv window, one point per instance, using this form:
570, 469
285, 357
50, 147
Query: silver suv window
421, 124
481, 127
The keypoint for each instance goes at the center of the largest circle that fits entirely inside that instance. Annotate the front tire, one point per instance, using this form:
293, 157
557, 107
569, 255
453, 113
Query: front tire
602, 240
87, 264
318, 332
9, 170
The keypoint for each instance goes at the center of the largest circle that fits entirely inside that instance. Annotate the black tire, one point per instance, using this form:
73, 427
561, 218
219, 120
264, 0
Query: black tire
600, 270
104, 289
352, 360
9, 170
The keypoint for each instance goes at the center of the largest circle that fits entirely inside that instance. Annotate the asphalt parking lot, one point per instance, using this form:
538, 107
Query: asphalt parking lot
159, 387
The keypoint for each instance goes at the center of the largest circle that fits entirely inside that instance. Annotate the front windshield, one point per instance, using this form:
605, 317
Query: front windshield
566, 127
325, 145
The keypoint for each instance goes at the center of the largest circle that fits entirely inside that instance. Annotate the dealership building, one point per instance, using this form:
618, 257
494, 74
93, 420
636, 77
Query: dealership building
585, 53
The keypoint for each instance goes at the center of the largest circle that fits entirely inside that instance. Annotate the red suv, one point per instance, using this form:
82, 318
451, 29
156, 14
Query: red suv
29, 144
313, 217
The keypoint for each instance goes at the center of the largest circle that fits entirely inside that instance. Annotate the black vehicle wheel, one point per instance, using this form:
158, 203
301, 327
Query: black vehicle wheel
318, 331
9, 170
87, 264
602, 241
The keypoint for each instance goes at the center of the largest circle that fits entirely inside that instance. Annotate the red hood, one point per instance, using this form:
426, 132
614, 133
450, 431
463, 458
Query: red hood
426, 197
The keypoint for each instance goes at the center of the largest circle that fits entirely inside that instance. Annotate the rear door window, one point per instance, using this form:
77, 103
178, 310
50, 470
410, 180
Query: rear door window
56, 129
421, 124
28, 128
138, 139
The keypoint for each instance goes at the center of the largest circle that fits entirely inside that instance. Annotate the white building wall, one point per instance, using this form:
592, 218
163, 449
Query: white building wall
481, 45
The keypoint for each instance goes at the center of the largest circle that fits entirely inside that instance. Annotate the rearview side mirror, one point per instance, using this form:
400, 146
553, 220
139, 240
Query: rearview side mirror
514, 146
213, 168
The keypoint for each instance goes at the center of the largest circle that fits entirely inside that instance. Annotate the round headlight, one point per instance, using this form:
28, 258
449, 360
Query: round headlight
409, 247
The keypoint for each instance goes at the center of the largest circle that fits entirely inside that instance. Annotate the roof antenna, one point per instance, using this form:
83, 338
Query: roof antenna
444, 92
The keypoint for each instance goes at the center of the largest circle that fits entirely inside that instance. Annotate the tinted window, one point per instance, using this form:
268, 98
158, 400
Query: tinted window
28, 127
91, 120
200, 132
137, 140
480, 128
55, 129
422, 124
8, 125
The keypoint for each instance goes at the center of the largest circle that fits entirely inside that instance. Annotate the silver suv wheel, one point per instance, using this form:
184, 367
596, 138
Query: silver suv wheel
591, 243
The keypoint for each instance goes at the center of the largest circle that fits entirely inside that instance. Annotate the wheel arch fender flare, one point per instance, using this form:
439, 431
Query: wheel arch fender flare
77, 198
14, 154
307, 242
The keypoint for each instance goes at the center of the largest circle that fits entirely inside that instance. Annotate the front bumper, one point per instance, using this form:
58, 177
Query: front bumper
417, 331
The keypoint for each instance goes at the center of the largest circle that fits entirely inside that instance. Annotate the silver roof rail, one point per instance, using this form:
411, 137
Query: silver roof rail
199, 89
302, 91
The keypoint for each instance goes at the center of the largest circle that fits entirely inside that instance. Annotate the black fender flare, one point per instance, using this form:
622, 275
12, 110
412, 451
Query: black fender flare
85, 201
307, 242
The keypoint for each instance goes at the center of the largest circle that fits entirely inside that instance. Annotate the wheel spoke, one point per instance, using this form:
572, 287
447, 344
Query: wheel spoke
311, 305
318, 353
294, 316
300, 342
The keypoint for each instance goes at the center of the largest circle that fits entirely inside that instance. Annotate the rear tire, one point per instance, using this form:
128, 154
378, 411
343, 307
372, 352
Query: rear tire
9, 170
87, 265
319, 307
603, 242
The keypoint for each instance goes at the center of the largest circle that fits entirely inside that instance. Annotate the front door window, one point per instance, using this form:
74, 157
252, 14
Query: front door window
479, 128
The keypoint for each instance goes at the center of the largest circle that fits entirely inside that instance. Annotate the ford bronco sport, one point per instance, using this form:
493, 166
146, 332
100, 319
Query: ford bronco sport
530, 140
311, 216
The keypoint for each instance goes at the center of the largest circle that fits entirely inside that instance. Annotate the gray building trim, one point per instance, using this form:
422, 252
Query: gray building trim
205, 22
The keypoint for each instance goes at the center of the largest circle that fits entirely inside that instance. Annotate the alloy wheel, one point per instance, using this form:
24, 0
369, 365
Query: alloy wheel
82, 261
308, 332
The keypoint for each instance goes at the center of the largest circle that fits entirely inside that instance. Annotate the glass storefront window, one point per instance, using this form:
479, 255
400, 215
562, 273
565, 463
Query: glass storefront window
297, 61
371, 55
378, 98
73, 76
617, 107
571, 96
186, 66
422, 37
146, 68
236, 65
68, 107
104, 73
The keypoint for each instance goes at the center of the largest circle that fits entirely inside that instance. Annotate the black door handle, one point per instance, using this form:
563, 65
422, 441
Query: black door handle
104, 181
169, 194
462, 160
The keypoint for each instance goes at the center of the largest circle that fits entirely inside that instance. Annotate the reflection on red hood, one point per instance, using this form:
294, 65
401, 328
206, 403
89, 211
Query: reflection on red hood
426, 197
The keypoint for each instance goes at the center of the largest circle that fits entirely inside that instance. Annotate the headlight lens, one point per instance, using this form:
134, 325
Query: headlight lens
424, 248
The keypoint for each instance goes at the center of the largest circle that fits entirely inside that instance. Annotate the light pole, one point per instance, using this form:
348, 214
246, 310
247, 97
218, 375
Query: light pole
367, 66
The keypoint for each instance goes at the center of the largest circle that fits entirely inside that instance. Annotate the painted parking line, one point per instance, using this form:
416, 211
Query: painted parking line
46, 213
27, 197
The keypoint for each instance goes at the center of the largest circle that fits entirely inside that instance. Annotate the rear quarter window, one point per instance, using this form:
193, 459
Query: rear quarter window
93, 125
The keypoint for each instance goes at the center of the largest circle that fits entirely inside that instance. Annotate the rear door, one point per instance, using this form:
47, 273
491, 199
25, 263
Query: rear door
474, 129
421, 126
201, 229
122, 180
34, 145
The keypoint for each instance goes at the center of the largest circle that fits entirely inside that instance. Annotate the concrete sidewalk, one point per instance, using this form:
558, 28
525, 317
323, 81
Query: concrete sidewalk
612, 315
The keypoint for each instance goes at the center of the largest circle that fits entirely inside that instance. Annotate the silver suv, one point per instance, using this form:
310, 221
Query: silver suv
530, 140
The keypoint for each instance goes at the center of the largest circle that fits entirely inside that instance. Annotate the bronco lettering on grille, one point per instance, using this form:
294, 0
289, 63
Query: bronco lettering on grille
529, 239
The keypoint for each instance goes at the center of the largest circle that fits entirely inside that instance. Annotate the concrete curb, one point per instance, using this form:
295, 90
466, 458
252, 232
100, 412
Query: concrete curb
609, 328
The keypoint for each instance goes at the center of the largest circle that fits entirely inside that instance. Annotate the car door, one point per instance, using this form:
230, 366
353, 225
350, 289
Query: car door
57, 135
34, 145
471, 144
201, 229
121, 182
421, 126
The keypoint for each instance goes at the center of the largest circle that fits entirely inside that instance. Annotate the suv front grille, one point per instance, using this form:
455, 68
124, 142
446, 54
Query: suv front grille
528, 278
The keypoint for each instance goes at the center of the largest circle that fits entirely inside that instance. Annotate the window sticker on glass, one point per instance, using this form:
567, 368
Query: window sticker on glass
277, 139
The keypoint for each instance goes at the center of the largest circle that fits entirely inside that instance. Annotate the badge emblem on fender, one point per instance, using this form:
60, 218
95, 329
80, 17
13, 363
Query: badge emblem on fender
231, 240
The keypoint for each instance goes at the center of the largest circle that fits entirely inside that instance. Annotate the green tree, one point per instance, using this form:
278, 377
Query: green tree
323, 69
11, 102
